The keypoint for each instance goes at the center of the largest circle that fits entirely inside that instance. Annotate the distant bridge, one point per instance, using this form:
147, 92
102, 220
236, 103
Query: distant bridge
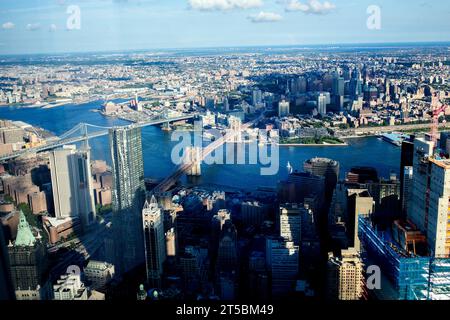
82, 132
169, 181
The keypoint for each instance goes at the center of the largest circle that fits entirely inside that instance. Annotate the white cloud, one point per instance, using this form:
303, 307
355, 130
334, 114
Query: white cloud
33, 26
265, 17
313, 6
8, 25
223, 5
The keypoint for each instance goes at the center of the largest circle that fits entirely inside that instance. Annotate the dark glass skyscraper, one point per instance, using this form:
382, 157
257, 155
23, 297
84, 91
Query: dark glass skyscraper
6, 287
407, 159
154, 241
128, 196
327, 168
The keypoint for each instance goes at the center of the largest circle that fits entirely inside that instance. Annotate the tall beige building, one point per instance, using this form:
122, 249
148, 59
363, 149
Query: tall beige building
345, 276
291, 222
359, 204
430, 201
72, 185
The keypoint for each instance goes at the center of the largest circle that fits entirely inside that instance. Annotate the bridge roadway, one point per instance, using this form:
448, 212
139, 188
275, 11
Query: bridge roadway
168, 182
103, 132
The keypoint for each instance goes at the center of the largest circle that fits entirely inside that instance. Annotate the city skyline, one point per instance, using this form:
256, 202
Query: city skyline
61, 26
248, 160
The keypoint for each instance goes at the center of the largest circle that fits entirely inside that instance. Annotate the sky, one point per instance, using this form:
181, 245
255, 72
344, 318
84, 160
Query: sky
57, 26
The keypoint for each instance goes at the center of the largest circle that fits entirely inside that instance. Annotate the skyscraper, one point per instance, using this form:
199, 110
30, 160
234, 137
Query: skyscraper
338, 86
322, 104
226, 104
386, 194
291, 223
345, 276
406, 160
128, 196
73, 192
359, 204
154, 241
28, 260
327, 168
282, 261
301, 187
217, 224
227, 259
430, 197
407, 188
253, 213
256, 97
283, 108
6, 287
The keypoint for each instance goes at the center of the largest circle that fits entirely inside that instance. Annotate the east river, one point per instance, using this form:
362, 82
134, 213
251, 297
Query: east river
157, 148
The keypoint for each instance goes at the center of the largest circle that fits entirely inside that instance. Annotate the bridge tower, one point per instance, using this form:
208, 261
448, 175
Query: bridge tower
193, 157
84, 133
235, 127
166, 126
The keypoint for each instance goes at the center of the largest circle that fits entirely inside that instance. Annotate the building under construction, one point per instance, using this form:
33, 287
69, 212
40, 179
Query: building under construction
411, 276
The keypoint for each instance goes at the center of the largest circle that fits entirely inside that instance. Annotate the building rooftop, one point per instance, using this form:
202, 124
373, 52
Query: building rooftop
54, 222
25, 237
99, 265
443, 163
322, 160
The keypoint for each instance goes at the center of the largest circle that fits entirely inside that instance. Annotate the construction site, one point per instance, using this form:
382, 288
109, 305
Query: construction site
412, 277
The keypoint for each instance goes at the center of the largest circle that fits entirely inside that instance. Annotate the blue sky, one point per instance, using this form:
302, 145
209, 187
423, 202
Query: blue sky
39, 26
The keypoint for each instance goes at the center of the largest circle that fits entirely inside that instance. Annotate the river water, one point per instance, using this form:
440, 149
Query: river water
157, 148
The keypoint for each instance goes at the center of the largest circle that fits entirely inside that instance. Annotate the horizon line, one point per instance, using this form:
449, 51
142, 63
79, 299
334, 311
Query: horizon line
391, 44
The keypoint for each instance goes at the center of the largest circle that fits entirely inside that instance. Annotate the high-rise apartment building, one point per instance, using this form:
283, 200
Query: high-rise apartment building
359, 204
345, 276
407, 187
406, 160
431, 197
128, 196
154, 240
322, 104
283, 108
338, 86
386, 194
291, 223
73, 192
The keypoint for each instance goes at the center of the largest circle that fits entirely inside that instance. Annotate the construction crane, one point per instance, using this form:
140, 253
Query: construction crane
436, 108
